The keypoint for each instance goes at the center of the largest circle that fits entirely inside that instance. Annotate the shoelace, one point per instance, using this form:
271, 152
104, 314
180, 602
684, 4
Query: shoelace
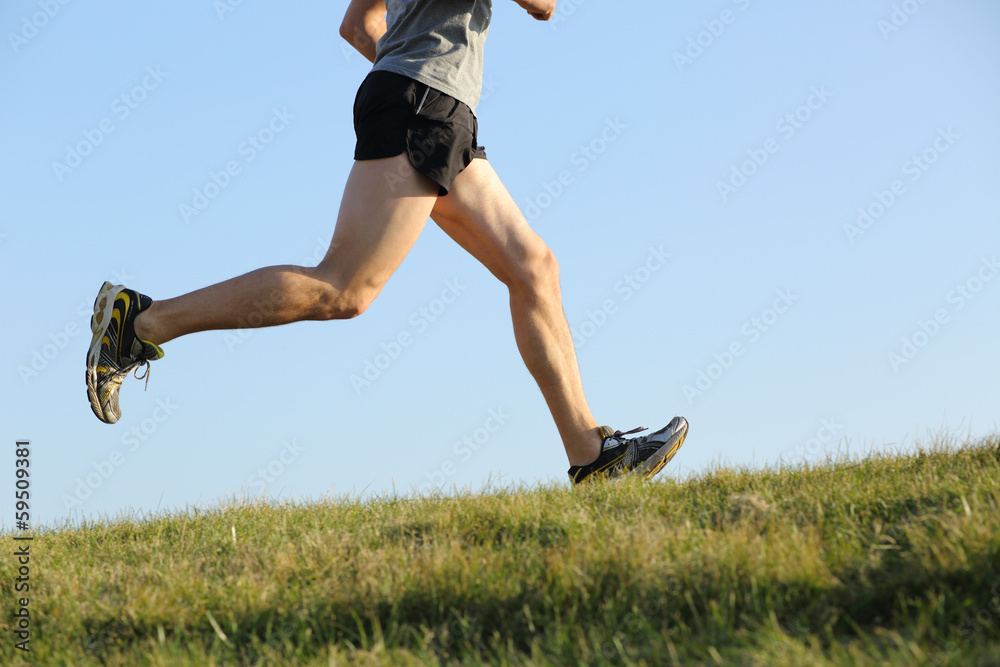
618, 434
140, 364
135, 367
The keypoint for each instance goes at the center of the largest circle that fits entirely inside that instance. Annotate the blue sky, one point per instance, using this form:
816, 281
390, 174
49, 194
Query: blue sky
778, 220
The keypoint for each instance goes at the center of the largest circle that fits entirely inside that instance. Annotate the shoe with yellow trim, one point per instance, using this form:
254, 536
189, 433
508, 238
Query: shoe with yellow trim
115, 350
644, 455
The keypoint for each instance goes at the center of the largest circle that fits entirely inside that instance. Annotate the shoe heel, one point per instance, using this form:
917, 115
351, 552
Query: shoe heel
101, 307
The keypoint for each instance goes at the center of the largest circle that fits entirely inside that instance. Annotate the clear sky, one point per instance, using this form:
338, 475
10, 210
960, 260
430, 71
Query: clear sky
780, 220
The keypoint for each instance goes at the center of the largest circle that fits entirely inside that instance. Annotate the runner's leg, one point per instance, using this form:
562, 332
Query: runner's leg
480, 215
380, 219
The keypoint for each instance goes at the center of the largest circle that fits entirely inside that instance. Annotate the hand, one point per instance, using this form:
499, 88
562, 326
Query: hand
540, 10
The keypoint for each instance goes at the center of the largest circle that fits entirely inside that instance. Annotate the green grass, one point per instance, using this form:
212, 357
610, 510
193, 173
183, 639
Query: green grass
887, 560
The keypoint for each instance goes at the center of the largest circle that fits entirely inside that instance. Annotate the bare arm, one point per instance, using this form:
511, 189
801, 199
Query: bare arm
541, 10
364, 25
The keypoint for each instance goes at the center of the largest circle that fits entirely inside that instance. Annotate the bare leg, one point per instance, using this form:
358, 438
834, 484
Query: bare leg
379, 221
480, 215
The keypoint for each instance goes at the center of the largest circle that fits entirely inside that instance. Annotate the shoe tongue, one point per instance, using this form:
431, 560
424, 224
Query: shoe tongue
606, 433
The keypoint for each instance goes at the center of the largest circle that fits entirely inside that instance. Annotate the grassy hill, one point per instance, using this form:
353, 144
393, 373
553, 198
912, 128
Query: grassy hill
888, 560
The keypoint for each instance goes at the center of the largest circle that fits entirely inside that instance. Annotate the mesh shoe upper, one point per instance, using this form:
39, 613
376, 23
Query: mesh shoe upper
645, 455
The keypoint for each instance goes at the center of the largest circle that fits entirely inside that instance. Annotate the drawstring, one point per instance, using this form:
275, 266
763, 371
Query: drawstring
422, 100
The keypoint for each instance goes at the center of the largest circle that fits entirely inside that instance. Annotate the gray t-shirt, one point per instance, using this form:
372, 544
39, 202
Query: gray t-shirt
439, 43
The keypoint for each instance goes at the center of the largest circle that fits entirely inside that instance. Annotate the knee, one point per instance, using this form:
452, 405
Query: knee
537, 273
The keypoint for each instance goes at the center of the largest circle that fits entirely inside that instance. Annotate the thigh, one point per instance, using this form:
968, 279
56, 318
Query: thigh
481, 216
385, 206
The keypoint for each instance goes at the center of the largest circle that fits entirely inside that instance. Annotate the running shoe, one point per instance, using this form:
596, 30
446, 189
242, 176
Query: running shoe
115, 350
644, 455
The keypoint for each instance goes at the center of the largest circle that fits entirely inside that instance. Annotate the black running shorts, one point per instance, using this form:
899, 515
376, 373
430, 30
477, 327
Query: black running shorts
393, 113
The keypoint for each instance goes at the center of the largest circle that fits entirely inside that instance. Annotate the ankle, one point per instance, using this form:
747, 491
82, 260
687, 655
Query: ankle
589, 449
142, 328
